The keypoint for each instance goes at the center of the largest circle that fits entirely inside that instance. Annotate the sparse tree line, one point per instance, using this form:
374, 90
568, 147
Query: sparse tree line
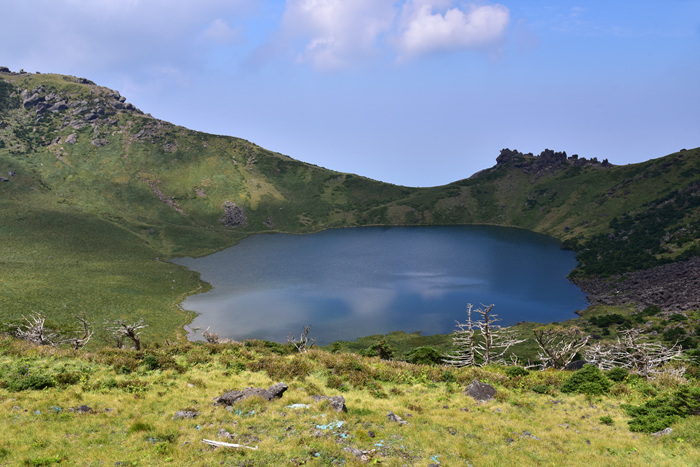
477, 342
480, 341
35, 330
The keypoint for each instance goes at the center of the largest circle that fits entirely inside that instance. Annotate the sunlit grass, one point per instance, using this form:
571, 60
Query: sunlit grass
132, 416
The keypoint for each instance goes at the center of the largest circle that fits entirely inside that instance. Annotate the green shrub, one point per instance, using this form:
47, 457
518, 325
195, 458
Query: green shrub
151, 362
515, 371
651, 310
139, 427
380, 349
449, 377
44, 460
540, 388
334, 382
25, 376
674, 334
425, 355
661, 412
617, 374
607, 420
588, 380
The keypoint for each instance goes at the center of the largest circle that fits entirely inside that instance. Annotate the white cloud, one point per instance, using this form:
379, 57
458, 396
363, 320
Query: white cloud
430, 26
337, 33
219, 31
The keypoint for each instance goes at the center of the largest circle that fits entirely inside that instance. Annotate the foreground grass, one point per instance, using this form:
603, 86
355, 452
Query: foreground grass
134, 397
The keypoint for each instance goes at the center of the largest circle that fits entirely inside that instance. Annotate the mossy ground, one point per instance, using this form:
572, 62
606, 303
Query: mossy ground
132, 421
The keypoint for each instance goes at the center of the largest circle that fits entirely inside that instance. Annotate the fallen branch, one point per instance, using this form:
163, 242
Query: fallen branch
227, 445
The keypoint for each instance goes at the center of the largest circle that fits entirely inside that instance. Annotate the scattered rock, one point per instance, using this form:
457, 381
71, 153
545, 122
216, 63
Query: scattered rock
231, 397
186, 414
3, 179
527, 434
84, 409
673, 287
225, 434
480, 391
11, 173
234, 215
72, 138
362, 456
664, 432
337, 402
392, 417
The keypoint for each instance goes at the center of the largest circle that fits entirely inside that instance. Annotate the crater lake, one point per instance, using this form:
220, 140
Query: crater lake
348, 283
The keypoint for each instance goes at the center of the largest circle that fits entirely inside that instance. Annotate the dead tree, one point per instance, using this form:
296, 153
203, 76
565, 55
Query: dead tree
558, 345
303, 343
120, 330
33, 330
491, 347
634, 352
83, 337
211, 337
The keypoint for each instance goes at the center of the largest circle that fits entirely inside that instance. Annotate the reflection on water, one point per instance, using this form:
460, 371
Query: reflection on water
349, 283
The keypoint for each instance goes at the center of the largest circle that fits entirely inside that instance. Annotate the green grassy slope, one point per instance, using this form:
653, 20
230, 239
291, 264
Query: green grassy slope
100, 190
119, 407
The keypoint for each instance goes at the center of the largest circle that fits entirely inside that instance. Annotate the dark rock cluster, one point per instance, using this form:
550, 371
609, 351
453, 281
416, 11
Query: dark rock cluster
547, 161
234, 215
674, 287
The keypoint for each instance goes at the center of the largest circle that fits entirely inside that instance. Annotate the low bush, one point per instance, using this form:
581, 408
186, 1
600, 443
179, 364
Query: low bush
516, 371
661, 412
607, 420
588, 380
617, 374
425, 355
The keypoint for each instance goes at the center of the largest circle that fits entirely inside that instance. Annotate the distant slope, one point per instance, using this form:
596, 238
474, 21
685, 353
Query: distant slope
94, 190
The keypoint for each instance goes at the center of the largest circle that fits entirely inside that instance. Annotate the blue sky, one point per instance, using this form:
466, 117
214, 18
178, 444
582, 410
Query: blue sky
412, 92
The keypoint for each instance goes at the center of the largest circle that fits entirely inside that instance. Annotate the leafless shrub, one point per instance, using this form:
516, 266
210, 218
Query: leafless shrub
559, 345
121, 330
211, 337
83, 336
636, 353
303, 343
493, 345
33, 330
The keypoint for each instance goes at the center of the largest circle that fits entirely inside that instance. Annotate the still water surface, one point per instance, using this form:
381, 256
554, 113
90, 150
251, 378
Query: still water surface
349, 283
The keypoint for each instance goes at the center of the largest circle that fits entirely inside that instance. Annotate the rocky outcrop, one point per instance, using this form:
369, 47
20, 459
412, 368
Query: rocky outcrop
548, 161
336, 402
674, 287
231, 397
234, 215
481, 392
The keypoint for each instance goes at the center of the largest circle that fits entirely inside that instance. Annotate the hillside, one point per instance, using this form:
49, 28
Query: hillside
123, 407
95, 194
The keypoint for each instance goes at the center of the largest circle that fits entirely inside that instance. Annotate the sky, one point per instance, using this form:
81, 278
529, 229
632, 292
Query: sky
411, 92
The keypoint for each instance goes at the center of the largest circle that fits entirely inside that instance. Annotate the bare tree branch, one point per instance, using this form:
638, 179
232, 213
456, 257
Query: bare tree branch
558, 345
303, 343
493, 345
34, 331
634, 352
121, 330
80, 340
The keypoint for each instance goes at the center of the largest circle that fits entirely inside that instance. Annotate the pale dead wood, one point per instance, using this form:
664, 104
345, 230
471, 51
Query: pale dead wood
227, 445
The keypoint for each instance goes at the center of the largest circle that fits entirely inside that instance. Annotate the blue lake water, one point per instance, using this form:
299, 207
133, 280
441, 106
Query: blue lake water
348, 283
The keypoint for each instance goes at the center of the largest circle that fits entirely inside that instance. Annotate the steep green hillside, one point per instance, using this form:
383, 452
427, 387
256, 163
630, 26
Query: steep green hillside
94, 193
